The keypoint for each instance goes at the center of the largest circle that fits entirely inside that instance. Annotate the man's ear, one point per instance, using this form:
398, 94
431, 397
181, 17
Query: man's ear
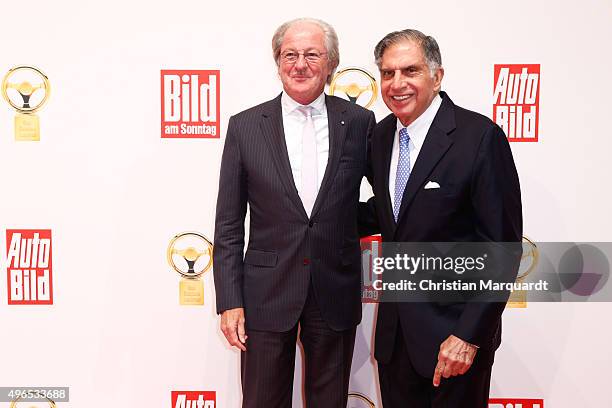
438, 75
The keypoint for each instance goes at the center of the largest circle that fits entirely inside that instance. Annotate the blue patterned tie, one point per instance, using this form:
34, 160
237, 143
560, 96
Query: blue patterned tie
403, 171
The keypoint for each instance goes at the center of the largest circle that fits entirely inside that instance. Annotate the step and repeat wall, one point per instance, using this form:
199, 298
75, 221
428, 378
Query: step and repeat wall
108, 192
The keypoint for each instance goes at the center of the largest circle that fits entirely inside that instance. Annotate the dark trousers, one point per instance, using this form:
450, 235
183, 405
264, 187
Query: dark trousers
401, 386
268, 363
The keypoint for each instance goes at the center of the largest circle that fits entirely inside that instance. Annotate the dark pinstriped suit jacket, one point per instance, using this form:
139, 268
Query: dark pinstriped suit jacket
286, 249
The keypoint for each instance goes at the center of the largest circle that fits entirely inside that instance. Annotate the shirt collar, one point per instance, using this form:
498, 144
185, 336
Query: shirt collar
418, 129
289, 105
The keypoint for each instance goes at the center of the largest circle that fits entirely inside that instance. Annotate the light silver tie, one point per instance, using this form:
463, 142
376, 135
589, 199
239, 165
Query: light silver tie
308, 191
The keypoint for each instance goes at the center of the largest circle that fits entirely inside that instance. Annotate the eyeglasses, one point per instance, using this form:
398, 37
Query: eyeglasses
291, 56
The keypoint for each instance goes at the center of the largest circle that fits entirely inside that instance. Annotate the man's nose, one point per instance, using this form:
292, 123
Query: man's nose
397, 82
301, 63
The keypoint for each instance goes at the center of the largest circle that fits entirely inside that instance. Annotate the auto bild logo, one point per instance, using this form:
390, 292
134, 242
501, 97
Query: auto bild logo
190, 104
515, 403
194, 399
516, 101
29, 271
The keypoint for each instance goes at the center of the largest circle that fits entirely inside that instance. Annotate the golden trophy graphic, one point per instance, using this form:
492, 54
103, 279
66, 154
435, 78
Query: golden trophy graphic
357, 84
18, 90
358, 400
529, 261
15, 403
191, 255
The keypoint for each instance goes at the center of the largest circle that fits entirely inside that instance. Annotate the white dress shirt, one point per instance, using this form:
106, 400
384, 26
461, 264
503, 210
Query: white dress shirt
293, 125
417, 131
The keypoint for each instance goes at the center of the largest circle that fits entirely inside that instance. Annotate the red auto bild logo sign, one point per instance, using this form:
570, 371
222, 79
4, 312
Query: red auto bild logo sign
194, 399
516, 101
29, 270
515, 403
190, 104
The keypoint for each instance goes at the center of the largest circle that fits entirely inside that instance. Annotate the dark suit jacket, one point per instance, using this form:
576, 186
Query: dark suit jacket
286, 249
479, 200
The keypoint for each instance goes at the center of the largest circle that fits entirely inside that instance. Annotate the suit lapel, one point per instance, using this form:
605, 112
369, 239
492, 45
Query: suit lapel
337, 124
272, 128
435, 145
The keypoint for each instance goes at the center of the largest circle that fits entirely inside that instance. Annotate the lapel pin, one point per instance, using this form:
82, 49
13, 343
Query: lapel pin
342, 123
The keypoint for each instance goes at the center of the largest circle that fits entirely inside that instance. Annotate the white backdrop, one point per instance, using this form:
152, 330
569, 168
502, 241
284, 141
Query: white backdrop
114, 193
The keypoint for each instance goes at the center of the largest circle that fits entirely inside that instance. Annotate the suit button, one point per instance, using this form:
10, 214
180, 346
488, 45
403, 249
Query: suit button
306, 261
310, 224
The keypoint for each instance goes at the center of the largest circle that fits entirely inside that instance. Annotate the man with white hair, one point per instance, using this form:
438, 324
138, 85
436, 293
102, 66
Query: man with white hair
297, 161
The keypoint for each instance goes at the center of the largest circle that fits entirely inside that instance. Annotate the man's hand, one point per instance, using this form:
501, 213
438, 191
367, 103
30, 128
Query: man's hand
455, 358
232, 326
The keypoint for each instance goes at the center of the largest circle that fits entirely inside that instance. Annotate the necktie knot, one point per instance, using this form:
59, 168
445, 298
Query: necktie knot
305, 110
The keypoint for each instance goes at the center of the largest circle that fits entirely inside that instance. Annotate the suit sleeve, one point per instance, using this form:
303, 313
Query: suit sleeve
229, 225
367, 220
496, 199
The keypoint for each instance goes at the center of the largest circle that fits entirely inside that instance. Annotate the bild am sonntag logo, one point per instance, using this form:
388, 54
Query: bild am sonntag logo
190, 104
